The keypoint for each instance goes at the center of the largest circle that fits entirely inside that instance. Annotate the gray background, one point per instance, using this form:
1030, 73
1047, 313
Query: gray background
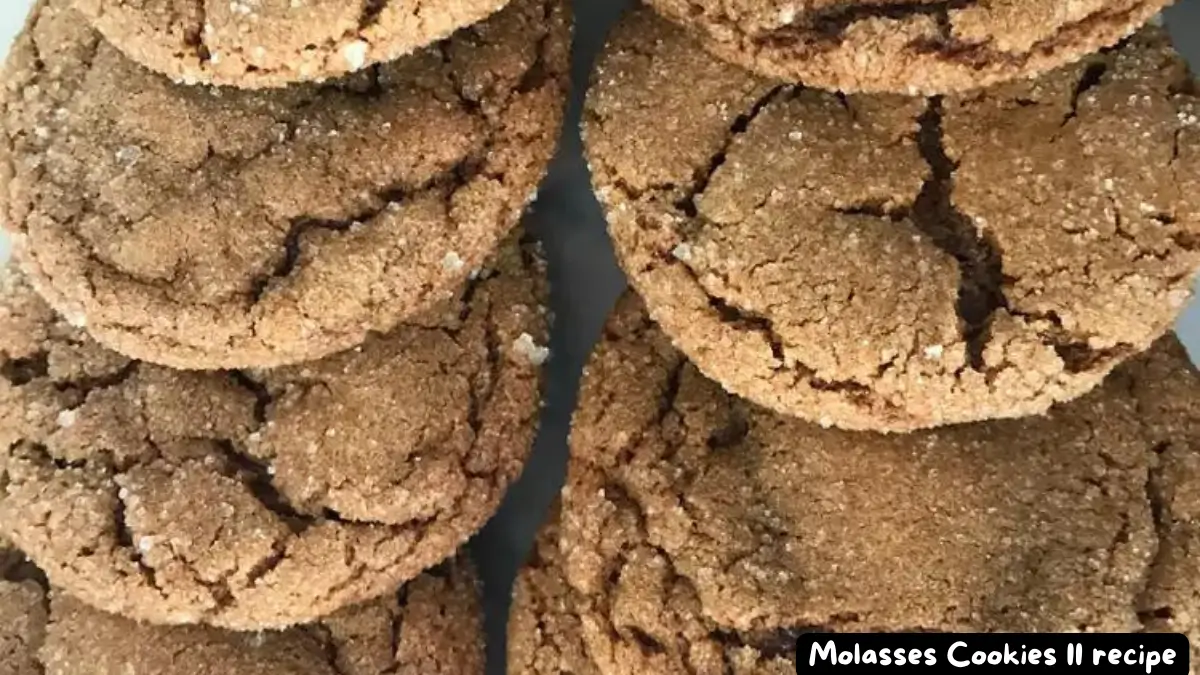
584, 283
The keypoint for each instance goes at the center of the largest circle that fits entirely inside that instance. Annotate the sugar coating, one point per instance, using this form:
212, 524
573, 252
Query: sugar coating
902, 46
275, 43
201, 227
528, 348
891, 263
699, 533
262, 499
432, 625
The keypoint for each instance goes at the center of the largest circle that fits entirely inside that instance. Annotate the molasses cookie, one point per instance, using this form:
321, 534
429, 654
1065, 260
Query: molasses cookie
906, 46
700, 533
889, 263
218, 228
273, 43
251, 500
432, 625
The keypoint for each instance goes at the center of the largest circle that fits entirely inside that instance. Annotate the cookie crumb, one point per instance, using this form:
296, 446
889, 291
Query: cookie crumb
682, 251
532, 351
452, 262
128, 155
66, 419
355, 54
934, 352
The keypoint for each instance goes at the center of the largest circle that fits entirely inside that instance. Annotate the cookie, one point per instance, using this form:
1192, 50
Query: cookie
273, 43
890, 263
262, 499
906, 46
432, 625
219, 228
701, 534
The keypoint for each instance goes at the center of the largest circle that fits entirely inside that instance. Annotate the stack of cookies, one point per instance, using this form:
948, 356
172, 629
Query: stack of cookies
271, 343
898, 355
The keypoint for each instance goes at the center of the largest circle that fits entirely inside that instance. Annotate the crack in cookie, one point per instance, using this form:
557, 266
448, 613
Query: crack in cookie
981, 264
907, 46
211, 497
893, 263
435, 154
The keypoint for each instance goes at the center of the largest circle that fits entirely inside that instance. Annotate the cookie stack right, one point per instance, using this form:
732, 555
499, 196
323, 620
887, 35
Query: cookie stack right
899, 361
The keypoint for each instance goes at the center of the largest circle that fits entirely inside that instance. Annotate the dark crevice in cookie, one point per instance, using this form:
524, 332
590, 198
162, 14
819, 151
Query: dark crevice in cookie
261, 569
1077, 355
86, 385
770, 644
257, 479
537, 74
981, 285
1093, 75
861, 393
687, 203
1156, 498
831, 24
371, 9
805, 39
751, 322
40, 454
483, 384
397, 627
329, 645
1080, 357
469, 105
670, 393
16, 568
291, 251
22, 371
195, 36
125, 539
262, 395
731, 434
826, 28
462, 173
874, 209
646, 642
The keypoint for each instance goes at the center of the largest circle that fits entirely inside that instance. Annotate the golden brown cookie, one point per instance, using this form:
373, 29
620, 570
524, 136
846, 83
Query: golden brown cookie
432, 625
906, 46
699, 533
251, 500
219, 228
273, 43
890, 263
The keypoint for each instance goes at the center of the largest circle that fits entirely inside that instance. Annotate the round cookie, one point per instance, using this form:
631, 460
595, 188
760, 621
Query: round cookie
700, 534
274, 43
906, 46
889, 263
250, 500
433, 625
219, 228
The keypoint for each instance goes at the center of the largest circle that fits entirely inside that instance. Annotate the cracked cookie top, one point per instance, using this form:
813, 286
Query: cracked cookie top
432, 625
906, 46
890, 263
250, 500
274, 43
699, 533
219, 228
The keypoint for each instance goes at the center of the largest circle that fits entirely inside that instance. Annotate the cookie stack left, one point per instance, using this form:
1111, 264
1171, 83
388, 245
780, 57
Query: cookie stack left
271, 340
